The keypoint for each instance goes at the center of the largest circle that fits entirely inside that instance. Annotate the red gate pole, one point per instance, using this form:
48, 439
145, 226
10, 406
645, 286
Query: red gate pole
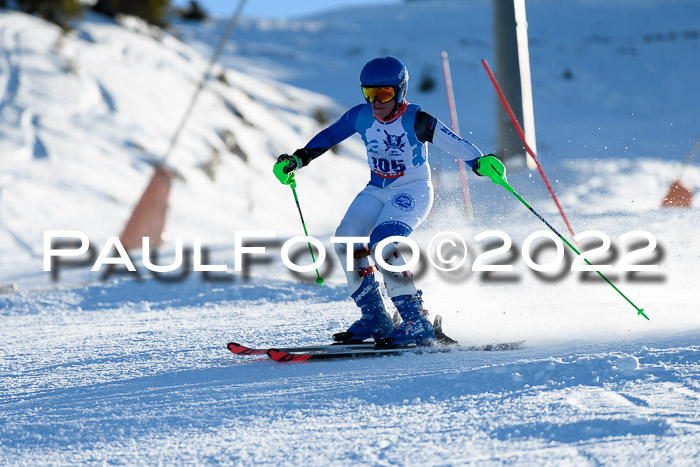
519, 129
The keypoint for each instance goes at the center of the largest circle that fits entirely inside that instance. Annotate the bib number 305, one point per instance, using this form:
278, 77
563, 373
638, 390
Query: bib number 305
386, 166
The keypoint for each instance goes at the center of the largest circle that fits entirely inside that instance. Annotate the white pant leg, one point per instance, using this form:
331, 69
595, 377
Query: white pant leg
405, 208
359, 220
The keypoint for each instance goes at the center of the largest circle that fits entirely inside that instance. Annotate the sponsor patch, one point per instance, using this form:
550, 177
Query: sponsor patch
403, 201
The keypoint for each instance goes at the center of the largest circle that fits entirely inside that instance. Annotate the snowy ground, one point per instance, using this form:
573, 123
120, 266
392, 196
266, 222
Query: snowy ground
138, 374
133, 372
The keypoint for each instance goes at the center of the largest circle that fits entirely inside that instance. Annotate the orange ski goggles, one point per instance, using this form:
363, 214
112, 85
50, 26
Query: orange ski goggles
382, 94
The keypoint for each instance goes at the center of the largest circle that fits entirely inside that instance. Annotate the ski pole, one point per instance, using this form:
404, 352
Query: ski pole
293, 184
493, 168
520, 132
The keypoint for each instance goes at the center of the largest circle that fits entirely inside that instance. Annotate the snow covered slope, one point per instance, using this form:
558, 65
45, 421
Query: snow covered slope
84, 114
136, 372
131, 373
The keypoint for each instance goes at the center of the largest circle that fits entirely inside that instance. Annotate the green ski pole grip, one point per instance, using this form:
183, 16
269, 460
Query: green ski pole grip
278, 170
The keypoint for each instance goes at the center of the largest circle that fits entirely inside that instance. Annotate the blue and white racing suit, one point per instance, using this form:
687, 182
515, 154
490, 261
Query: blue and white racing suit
399, 194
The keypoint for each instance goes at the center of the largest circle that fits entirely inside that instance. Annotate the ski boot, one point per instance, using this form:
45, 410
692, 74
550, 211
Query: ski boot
375, 321
415, 327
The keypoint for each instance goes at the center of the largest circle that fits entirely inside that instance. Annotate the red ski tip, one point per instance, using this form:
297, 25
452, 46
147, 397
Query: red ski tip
239, 349
284, 357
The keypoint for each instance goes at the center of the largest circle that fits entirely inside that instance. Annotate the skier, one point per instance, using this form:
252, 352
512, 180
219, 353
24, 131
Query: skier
396, 200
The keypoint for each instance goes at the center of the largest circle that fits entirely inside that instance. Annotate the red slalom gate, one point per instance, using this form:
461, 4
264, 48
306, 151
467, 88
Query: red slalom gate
455, 127
519, 129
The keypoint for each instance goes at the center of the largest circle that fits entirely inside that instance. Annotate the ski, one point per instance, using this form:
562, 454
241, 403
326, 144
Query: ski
282, 356
240, 349
365, 349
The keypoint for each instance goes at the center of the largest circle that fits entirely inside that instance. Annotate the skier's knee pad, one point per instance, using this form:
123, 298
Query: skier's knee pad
390, 252
389, 229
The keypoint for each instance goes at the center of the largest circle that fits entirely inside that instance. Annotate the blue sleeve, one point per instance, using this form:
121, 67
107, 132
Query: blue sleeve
339, 131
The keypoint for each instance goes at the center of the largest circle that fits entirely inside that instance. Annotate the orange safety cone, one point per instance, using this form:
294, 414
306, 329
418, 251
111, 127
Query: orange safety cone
148, 217
678, 195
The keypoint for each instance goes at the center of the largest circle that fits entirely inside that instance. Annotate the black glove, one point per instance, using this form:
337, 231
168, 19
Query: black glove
475, 167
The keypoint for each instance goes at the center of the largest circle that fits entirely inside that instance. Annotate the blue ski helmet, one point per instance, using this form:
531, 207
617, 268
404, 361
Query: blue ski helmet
386, 71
